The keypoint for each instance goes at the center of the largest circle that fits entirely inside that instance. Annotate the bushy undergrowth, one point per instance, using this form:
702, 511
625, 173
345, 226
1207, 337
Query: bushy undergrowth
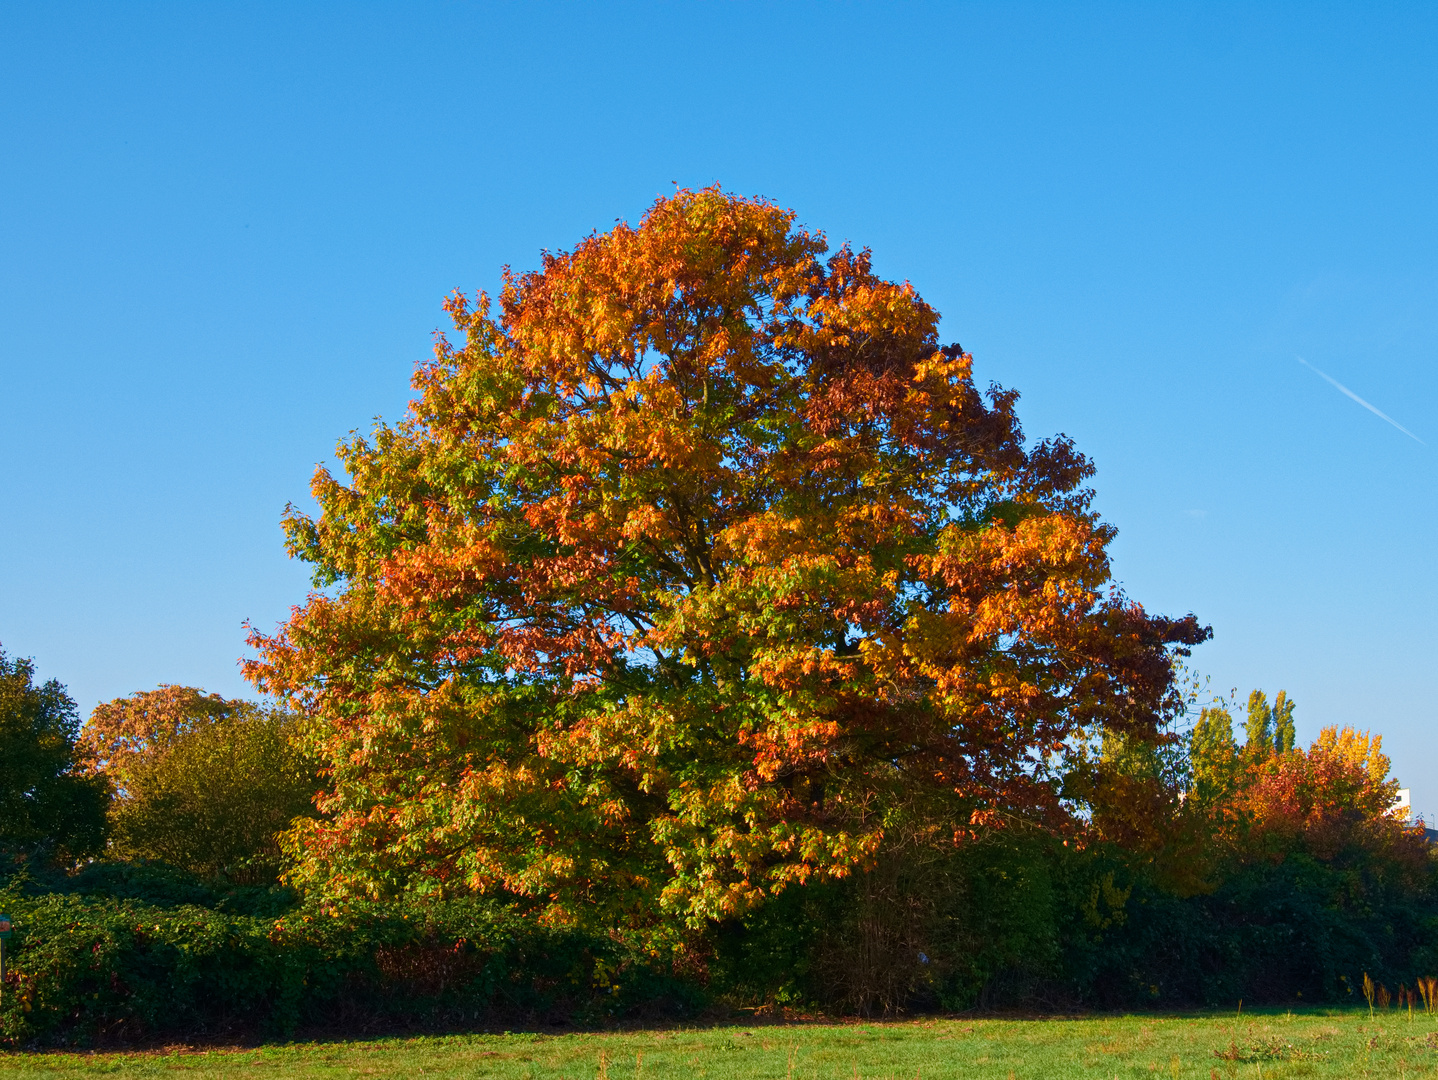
107, 965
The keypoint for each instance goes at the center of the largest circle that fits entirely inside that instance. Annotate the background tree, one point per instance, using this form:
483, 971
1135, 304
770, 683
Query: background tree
203, 783
125, 733
1285, 735
1213, 753
694, 575
1276, 798
49, 809
1258, 729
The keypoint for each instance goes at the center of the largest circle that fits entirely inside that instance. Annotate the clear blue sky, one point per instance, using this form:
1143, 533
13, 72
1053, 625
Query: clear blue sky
225, 231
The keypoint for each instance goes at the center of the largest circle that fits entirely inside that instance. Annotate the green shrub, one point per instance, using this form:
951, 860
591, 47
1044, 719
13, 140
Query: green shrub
123, 953
1272, 931
162, 885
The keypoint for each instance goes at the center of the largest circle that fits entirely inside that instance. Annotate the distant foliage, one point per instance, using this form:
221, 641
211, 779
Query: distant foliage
50, 811
202, 783
1335, 796
1269, 796
217, 800
129, 732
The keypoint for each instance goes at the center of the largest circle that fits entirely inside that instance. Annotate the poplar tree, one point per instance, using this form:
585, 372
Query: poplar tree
1213, 753
1258, 729
1285, 735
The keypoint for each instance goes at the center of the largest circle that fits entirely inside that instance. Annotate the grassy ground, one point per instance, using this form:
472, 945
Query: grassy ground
1314, 1043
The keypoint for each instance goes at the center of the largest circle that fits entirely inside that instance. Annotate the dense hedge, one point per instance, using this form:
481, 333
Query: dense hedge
1032, 923
88, 969
125, 953
1299, 929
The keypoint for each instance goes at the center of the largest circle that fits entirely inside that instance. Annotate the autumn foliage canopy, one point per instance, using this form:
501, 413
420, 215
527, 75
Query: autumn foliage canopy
699, 569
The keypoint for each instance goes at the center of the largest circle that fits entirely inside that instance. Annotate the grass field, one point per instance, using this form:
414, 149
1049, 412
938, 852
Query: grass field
1314, 1043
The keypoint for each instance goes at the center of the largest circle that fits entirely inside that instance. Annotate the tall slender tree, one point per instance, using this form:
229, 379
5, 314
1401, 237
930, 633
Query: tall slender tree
1258, 729
1213, 753
1285, 734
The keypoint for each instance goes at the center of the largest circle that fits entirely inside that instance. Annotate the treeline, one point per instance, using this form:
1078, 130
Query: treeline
145, 866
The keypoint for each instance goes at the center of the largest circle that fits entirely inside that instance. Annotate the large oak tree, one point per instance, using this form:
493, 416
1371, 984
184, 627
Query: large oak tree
696, 572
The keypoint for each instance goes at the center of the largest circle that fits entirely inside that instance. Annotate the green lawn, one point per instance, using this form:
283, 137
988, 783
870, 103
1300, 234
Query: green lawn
1314, 1043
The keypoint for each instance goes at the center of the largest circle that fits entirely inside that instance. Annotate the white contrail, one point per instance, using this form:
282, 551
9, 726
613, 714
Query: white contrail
1376, 412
